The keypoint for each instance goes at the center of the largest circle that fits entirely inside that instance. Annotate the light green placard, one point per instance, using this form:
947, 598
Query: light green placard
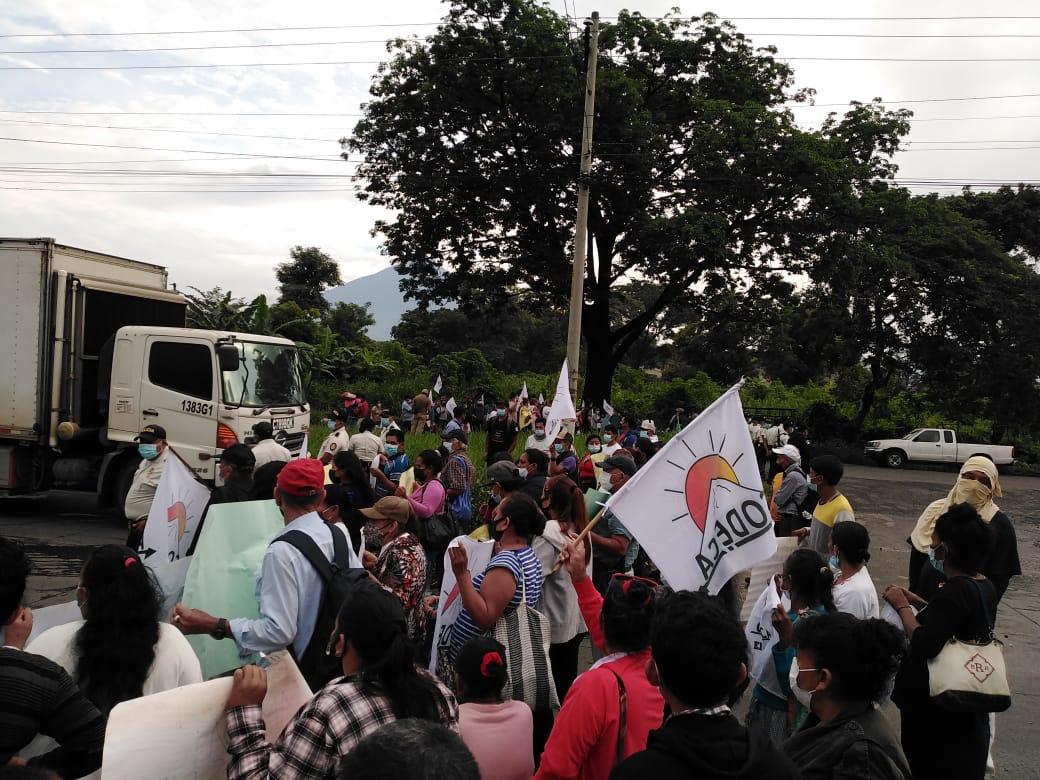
591, 499
222, 576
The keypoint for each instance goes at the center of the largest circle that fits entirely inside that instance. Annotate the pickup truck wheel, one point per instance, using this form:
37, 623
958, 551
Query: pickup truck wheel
895, 459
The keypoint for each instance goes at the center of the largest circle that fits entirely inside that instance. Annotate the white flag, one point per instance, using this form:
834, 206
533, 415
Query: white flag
562, 406
305, 447
174, 516
450, 406
481, 399
437, 385
608, 409
697, 506
523, 393
541, 399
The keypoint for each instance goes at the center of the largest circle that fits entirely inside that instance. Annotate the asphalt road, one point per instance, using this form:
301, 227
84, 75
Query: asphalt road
59, 531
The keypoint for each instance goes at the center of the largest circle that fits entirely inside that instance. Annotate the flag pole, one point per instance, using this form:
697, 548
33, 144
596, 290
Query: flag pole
580, 537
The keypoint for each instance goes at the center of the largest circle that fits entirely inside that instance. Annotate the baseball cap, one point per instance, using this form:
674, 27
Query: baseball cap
456, 434
239, 456
504, 472
302, 477
789, 450
150, 434
647, 425
390, 508
621, 463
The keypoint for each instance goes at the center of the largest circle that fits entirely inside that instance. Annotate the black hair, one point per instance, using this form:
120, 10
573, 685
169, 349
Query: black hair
592, 436
366, 424
966, 536
240, 458
14, 571
360, 480
828, 467
413, 749
374, 622
115, 646
611, 428
538, 458
852, 541
811, 578
433, 461
628, 614
264, 480
481, 665
398, 432
698, 647
501, 456
524, 514
862, 655
302, 502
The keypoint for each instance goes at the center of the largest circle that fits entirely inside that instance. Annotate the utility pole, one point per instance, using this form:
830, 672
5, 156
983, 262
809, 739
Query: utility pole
581, 223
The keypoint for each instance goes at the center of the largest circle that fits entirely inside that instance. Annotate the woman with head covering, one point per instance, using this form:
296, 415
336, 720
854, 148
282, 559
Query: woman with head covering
119, 650
380, 684
977, 485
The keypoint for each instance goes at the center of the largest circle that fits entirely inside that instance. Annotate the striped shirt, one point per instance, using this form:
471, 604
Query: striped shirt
38, 697
526, 569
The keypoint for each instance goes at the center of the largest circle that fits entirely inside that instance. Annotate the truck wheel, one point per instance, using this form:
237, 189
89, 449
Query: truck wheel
895, 459
123, 479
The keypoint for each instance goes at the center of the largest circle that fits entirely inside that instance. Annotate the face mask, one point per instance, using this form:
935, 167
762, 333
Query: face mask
833, 562
608, 438
501, 412
558, 448
148, 451
522, 472
938, 565
494, 532
595, 448
384, 422
375, 535
419, 474
495, 499
971, 491
539, 434
331, 424
444, 450
644, 434
391, 450
804, 697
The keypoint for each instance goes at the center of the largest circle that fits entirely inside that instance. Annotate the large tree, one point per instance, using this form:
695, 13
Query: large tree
305, 277
701, 176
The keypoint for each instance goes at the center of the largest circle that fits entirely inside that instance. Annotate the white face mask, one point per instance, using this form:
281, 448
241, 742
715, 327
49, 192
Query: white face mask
522, 472
804, 697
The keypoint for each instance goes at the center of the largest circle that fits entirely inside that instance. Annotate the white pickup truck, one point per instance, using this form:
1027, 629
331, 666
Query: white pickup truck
934, 445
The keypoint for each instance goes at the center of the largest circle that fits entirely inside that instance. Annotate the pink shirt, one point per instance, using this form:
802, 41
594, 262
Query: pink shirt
428, 500
500, 737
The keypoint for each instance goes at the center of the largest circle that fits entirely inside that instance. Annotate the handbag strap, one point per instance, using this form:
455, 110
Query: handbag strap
622, 718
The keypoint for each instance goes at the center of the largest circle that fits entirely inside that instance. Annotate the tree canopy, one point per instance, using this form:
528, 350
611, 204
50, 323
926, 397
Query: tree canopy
306, 276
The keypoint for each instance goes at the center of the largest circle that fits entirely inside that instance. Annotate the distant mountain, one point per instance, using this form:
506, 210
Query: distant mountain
379, 289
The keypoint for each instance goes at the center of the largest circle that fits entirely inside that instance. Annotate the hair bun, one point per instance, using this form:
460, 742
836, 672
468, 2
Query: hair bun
490, 660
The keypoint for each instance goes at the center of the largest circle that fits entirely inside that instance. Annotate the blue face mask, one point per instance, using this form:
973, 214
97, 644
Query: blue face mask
384, 422
834, 562
148, 451
391, 450
936, 563
331, 424
558, 448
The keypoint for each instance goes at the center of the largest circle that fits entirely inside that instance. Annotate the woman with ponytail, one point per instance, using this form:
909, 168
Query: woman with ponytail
807, 581
611, 709
842, 668
119, 650
380, 684
498, 733
564, 505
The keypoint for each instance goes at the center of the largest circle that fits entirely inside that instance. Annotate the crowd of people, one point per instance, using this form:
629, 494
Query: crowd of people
351, 587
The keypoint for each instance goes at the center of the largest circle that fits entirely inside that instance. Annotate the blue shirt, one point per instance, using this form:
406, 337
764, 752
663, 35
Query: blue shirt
395, 467
451, 426
288, 591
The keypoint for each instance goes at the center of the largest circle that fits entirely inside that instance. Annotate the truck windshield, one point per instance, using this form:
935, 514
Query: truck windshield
268, 375
912, 433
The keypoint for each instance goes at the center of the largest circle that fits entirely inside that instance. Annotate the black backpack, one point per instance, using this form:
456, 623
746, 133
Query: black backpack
812, 498
337, 581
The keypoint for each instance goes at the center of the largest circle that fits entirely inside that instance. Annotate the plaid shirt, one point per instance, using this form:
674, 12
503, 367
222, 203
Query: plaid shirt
327, 728
459, 473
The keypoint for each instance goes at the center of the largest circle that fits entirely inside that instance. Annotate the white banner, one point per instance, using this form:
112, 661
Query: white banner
608, 409
179, 502
698, 506
449, 605
762, 573
761, 638
451, 406
562, 408
437, 385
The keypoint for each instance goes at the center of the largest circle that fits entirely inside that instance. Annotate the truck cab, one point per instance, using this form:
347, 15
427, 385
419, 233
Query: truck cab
206, 388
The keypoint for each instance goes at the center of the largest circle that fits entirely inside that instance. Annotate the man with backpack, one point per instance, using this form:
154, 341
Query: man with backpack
825, 472
306, 572
794, 490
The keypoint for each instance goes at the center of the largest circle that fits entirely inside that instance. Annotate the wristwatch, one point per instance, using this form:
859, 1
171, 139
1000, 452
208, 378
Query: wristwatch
222, 631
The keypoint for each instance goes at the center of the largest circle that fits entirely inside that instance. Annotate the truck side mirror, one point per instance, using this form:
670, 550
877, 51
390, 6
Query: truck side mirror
227, 356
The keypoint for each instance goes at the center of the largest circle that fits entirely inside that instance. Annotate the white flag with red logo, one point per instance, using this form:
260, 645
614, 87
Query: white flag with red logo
697, 507
179, 502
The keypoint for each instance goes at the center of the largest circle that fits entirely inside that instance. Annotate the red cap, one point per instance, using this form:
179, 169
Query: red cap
302, 477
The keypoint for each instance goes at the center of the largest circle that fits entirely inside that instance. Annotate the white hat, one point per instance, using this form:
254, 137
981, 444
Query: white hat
789, 450
647, 425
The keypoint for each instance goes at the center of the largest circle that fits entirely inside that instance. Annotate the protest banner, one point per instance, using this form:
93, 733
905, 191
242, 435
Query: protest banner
762, 573
697, 507
608, 409
761, 638
181, 734
179, 502
595, 500
449, 605
562, 408
222, 576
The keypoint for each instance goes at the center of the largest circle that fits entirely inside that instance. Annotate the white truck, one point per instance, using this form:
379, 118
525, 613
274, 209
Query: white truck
934, 445
96, 348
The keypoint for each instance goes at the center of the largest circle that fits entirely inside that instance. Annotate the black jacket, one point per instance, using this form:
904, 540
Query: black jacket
706, 748
857, 745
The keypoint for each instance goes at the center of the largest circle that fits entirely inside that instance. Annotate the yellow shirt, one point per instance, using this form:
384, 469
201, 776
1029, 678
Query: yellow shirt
828, 513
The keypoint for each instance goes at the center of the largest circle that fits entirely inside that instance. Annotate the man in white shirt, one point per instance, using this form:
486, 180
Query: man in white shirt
266, 449
365, 444
151, 446
538, 440
335, 441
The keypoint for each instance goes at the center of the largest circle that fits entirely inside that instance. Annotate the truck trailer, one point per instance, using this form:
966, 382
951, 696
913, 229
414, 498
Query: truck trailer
95, 347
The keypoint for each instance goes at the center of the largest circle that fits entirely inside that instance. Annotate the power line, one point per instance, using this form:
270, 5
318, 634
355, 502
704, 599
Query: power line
921, 100
168, 130
186, 151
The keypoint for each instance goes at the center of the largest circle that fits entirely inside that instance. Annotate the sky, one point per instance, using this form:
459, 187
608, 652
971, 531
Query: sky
84, 187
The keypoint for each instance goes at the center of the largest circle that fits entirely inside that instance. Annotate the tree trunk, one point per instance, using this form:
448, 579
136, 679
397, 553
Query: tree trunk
878, 380
599, 349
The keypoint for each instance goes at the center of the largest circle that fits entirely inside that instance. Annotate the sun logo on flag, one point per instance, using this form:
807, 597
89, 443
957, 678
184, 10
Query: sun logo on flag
700, 476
